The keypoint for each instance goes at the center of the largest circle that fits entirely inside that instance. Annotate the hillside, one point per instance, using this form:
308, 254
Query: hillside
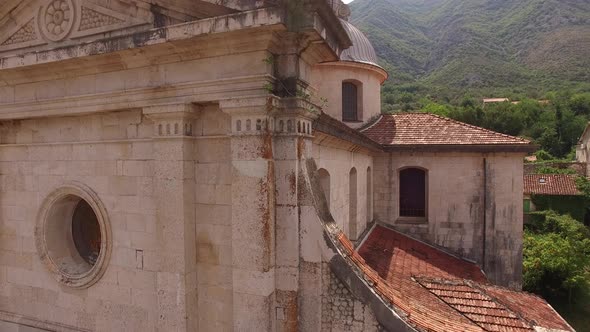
468, 44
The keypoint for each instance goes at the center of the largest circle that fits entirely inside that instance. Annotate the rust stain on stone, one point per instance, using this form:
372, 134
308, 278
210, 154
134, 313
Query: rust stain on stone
265, 206
288, 302
266, 149
293, 182
300, 147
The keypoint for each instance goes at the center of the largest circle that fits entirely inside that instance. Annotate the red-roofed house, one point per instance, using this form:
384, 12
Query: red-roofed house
558, 192
452, 184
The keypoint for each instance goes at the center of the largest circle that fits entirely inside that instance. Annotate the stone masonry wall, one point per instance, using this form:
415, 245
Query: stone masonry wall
455, 206
340, 310
338, 163
110, 154
213, 221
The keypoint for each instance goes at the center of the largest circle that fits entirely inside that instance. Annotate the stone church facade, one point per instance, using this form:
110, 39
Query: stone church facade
176, 165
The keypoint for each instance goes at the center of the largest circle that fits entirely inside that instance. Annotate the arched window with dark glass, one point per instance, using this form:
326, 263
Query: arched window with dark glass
412, 192
350, 101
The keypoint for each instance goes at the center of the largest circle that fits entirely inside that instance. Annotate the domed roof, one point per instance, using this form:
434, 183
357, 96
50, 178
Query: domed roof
361, 49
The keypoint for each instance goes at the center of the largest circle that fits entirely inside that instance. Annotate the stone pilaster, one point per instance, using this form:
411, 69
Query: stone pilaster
253, 213
292, 141
269, 137
174, 190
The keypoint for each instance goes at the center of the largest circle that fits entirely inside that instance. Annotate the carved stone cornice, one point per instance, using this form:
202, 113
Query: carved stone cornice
279, 116
175, 120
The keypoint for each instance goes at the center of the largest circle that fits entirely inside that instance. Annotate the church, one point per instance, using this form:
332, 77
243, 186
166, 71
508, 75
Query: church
206, 165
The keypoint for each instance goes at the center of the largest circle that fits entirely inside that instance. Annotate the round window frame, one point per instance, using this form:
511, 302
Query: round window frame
91, 276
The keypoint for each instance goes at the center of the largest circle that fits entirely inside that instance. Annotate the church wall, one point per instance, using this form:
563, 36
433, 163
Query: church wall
114, 161
338, 163
113, 155
456, 201
328, 80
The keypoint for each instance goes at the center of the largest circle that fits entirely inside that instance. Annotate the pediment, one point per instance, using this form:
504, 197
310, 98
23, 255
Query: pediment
34, 24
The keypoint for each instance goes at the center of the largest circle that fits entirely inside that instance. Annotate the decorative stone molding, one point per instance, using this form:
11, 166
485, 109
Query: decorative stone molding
280, 116
53, 236
25, 34
91, 19
175, 120
56, 19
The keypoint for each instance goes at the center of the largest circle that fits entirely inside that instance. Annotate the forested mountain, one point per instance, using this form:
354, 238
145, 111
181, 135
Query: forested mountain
474, 44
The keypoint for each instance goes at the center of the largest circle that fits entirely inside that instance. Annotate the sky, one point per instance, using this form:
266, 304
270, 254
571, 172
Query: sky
347, 1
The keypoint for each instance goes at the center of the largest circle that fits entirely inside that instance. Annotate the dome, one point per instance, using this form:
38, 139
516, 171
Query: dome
361, 50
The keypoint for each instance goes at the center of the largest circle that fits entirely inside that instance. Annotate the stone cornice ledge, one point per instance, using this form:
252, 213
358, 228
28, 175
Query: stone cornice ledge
36, 323
220, 24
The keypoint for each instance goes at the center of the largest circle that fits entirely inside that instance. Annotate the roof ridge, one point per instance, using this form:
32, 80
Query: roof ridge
463, 124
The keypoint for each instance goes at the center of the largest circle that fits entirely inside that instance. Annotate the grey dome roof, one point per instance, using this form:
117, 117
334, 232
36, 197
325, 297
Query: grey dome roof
361, 49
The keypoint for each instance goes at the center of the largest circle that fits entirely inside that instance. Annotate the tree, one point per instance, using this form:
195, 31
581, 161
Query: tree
556, 255
580, 103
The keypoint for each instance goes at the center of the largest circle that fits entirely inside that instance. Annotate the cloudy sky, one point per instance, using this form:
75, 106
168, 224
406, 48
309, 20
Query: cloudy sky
347, 1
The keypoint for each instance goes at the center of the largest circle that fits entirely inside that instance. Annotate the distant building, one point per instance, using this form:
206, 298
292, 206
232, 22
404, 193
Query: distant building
557, 192
494, 100
583, 146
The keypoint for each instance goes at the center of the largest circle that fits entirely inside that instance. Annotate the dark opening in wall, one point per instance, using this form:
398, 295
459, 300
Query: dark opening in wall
86, 232
349, 101
412, 192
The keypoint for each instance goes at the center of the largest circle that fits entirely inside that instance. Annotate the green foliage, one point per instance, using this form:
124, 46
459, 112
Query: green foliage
583, 185
543, 155
556, 255
554, 170
574, 206
508, 47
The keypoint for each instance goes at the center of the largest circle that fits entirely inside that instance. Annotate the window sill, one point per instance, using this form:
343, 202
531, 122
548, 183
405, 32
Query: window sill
411, 220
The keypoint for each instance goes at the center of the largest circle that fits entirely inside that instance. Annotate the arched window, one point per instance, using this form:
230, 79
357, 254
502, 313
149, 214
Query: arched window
369, 195
351, 101
352, 202
412, 192
324, 178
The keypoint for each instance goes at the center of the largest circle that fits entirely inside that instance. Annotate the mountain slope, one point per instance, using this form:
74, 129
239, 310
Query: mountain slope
479, 43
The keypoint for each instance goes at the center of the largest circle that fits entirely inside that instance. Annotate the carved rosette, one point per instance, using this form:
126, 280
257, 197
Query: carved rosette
56, 19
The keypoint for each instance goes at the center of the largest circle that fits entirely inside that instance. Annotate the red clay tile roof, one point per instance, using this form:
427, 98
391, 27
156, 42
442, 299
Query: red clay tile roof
551, 184
439, 292
475, 304
428, 129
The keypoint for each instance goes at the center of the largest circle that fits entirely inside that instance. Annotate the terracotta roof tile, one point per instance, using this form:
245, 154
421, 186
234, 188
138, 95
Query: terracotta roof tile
440, 292
429, 129
551, 184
